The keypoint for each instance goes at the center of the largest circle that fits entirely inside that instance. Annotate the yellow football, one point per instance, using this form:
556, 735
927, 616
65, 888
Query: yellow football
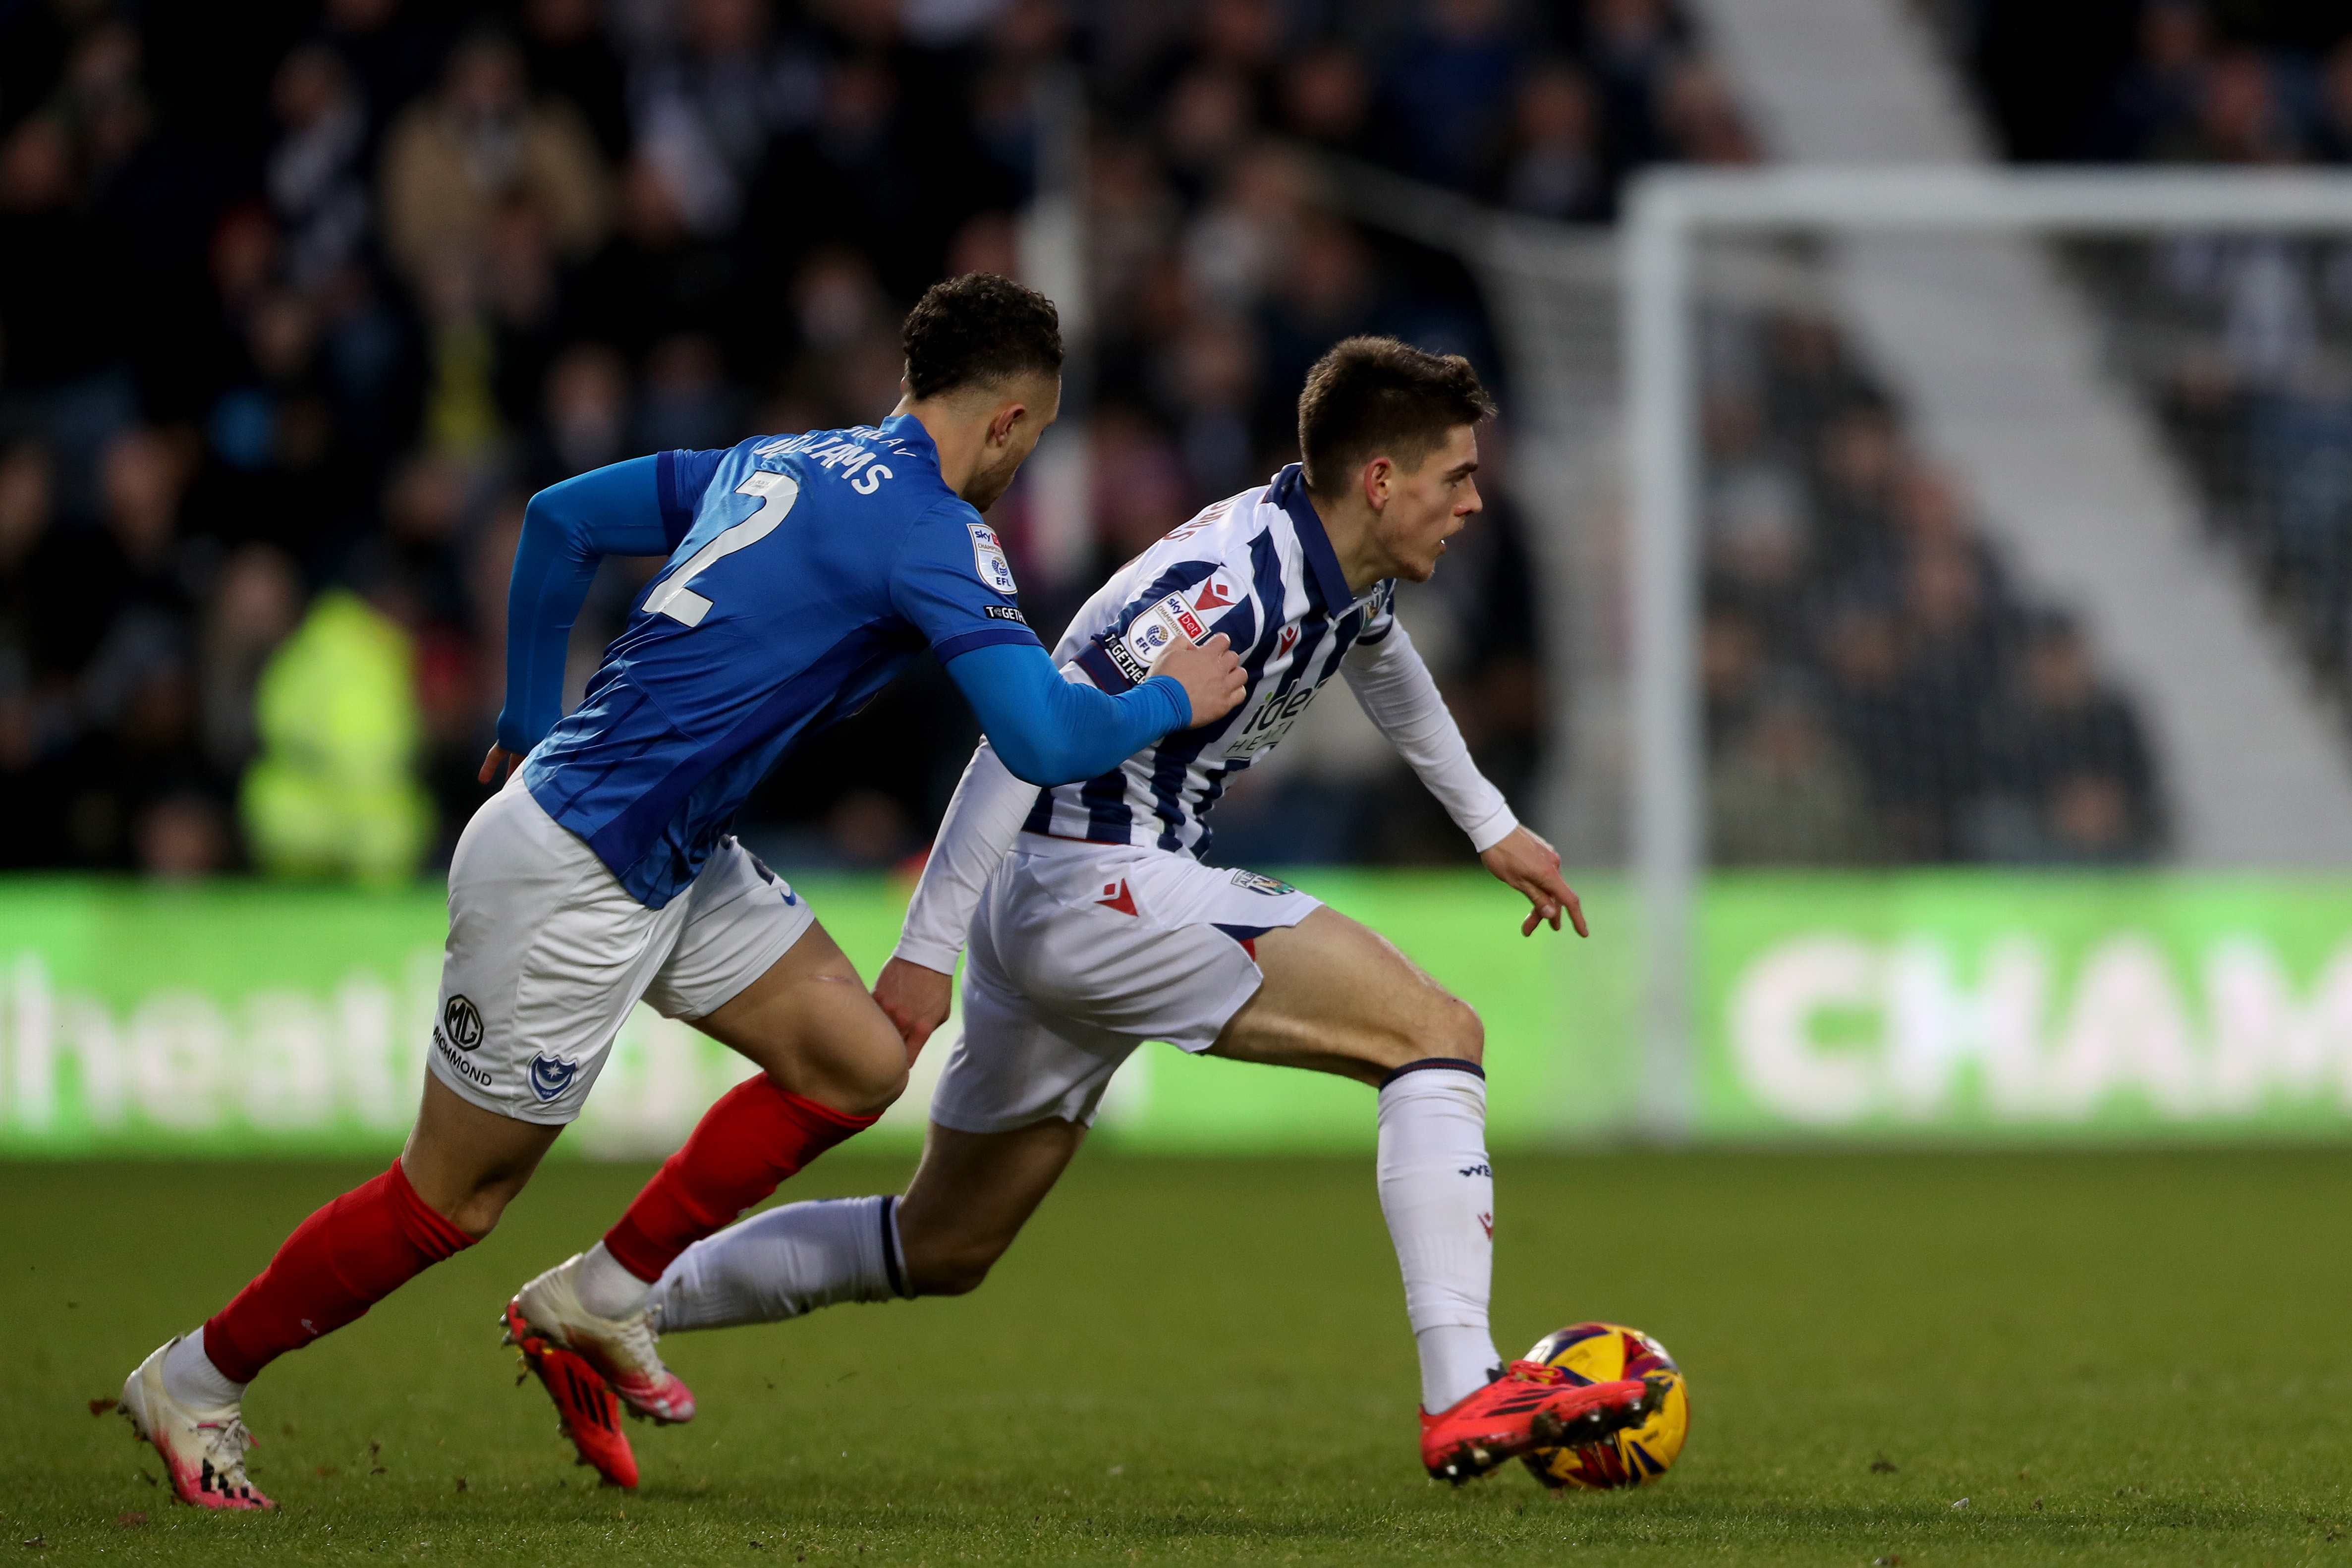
1604, 1352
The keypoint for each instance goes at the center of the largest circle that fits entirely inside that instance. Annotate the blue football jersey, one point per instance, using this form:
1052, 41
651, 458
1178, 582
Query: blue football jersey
816, 567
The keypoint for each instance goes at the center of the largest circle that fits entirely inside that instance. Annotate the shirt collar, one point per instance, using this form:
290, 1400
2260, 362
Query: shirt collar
908, 433
1288, 491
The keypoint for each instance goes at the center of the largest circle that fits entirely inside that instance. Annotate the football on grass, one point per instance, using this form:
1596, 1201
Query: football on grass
1604, 1352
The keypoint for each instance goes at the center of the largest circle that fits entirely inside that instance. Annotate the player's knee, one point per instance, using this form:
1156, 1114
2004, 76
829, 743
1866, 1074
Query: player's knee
878, 1087
477, 1213
1459, 1033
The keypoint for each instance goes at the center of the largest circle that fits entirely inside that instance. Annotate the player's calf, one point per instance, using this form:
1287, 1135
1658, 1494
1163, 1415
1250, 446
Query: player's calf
971, 1196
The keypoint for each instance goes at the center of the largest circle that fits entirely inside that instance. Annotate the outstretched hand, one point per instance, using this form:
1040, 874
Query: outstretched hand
498, 766
915, 999
1211, 674
1528, 863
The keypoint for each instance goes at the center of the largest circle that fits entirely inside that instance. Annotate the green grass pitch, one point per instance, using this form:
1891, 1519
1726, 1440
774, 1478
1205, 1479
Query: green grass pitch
2123, 1358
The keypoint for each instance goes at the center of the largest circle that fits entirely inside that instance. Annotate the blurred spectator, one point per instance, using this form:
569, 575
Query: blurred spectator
334, 791
317, 185
1786, 793
2332, 129
60, 286
2070, 776
182, 836
1448, 85
1701, 119
587, 415
390, 50
255, 605
2237, 117
1553, 169
1328, 100
655, 276
2155, 99
708, 108
568, 58
450, 160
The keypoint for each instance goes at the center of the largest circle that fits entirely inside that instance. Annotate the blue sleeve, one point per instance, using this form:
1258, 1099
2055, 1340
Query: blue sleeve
951, 580
1050, 731
642, 507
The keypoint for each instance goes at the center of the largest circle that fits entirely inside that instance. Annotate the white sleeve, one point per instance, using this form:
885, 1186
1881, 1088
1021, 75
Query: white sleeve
983, 820
1394, 687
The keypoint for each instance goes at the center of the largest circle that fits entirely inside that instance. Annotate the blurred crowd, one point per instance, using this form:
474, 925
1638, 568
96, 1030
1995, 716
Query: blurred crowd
1878, 688
2242, 344
300, 301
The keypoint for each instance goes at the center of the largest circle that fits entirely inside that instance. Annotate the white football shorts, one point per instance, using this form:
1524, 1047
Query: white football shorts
548, 953
1079, 953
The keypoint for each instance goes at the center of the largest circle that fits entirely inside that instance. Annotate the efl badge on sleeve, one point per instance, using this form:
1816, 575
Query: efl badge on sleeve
1157, 630
988, 560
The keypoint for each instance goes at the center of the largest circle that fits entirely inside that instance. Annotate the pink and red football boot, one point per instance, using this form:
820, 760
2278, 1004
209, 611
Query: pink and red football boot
1530, 1406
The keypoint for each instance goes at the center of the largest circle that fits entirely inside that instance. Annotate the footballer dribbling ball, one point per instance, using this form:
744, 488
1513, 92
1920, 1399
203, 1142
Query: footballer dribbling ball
1604, 1352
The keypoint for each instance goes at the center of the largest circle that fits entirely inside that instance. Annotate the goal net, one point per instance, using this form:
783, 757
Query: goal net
1989, 589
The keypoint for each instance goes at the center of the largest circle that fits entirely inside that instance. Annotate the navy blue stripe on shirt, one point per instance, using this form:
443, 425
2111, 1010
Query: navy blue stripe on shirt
1106, 675
1109, 819
946, 648
1325, 580
1040, 816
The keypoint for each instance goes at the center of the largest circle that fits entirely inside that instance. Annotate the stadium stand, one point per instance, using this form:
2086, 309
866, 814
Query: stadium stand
1879, 686
295, 314
2241, 347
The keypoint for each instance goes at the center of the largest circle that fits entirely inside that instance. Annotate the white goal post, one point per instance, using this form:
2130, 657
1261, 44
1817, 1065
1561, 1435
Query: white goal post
1670, 211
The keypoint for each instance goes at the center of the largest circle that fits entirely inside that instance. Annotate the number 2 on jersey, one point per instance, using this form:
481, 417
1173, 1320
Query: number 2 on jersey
777, 492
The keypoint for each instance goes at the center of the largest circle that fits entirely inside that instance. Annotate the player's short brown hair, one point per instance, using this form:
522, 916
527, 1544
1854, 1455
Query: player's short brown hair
1377, 397
979, 330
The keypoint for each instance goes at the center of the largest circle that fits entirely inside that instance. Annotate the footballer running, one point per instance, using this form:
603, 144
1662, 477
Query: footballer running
1093, 925
804, 572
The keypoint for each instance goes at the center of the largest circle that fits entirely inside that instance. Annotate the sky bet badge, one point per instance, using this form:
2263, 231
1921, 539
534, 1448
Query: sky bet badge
1153, 633
988, 559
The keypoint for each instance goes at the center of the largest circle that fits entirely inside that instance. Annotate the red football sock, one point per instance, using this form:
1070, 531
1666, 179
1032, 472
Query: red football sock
337, 1263
752, 1138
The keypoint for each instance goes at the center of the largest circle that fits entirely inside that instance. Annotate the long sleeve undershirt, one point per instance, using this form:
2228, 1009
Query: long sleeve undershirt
1049, 729
1393, 688
567, 531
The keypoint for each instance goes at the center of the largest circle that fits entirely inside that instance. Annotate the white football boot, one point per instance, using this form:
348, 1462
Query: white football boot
620, 1348
204, 1449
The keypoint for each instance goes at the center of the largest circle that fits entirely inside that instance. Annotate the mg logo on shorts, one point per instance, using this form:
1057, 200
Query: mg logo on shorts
461, 1024
550, 1077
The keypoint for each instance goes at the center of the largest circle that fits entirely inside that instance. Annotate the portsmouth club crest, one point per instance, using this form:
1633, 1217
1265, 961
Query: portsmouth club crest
550, 1076
988, 560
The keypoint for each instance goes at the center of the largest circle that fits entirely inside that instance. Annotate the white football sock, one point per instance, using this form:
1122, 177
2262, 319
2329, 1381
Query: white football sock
785, 1262
190, 1376
1437, 1192
605, 1287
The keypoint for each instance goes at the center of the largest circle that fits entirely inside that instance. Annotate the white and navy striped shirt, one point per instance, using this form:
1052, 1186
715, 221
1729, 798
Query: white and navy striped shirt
1258, 567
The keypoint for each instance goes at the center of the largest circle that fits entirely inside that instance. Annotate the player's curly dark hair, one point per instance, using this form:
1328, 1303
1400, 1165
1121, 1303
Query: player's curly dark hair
1374, 397
979, 329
